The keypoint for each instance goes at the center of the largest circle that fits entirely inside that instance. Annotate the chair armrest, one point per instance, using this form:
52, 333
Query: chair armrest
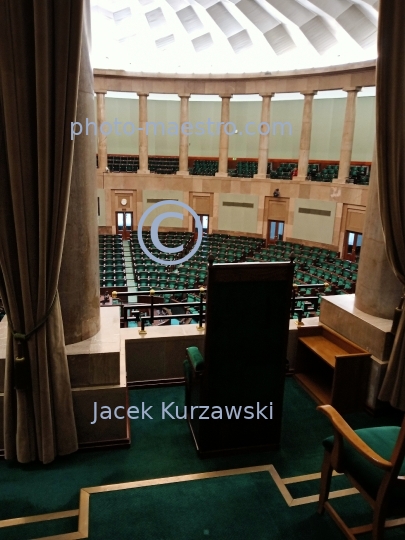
195, 359
342, 429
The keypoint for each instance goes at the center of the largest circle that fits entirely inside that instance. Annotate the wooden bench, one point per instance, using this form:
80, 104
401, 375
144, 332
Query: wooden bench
332, 369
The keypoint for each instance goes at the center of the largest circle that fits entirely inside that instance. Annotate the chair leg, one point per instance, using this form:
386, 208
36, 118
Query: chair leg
326, 476
378, 522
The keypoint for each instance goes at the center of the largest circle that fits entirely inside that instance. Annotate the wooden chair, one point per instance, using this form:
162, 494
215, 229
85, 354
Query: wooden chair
373, 460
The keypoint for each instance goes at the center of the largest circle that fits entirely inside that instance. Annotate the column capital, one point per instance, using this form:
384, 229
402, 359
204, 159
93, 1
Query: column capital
267, 94
309, 92
139, 94
100, 92
184, 95
222, 96
352, 89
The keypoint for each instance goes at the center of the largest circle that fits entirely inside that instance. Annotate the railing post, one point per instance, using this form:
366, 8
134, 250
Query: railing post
142, 330
135, 313
294, 294
152, 311
300, 313
200, 317
124, 310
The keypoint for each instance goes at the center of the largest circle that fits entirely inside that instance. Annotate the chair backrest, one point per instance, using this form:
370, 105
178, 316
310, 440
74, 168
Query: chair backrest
247, 323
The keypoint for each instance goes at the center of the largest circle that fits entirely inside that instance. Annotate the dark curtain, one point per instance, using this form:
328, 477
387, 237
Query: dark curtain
391, 170
39, 71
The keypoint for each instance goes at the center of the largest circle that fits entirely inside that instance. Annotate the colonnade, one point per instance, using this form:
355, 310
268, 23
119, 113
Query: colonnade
263, 150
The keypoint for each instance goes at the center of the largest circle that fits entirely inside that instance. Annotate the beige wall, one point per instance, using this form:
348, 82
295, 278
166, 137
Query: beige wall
364, 129
101, 219
238, 212
347, 200
327, 127
314, 220
151, 197
328, 115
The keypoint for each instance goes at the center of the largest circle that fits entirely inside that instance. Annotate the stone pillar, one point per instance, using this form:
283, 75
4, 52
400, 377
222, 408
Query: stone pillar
348, 135
378, 291
264, 139
305, 142
101, 137
79, 282
224, 137
143, 137
184, 138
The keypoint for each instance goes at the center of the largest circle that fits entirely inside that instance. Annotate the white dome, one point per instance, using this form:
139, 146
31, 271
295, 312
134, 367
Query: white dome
238, 36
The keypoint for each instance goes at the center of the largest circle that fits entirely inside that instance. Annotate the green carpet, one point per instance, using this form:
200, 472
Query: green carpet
243, 507
247, 507
159, 448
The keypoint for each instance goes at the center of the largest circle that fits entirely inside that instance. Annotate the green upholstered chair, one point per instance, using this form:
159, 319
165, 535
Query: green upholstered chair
247, 320
373, 461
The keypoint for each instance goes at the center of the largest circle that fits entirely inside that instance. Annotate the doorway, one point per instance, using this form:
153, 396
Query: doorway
275, 231
352, 248
205, 219
124, 223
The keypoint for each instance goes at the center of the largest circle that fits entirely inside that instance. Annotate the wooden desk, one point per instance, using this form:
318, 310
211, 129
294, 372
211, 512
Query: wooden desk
332, 369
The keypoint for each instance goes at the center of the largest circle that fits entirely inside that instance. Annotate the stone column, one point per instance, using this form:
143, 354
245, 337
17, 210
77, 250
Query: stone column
378, 291
79, 282
143, 137
348, 135
184, 138
264, 139
305, 142
224, 137
101, 137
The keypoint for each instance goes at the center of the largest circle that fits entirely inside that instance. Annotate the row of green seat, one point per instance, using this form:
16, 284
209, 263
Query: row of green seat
111, 261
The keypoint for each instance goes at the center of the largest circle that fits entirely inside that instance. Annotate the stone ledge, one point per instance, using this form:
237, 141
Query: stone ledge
158, 355
371, 333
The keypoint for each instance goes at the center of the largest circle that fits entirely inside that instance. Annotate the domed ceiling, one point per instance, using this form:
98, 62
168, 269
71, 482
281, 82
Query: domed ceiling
231, 36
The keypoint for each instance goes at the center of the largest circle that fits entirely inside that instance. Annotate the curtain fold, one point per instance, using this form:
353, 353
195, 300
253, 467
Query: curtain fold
39, 73
390, 105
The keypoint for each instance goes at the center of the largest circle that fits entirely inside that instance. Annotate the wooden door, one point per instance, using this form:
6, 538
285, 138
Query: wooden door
275, 231
352, 246
124, 222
